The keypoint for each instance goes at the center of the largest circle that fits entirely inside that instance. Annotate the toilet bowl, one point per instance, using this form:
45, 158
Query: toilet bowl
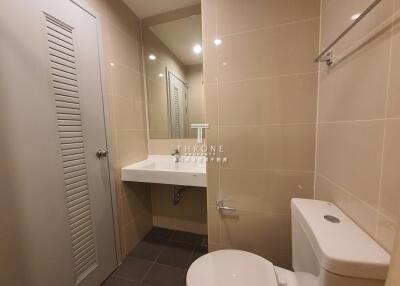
237, 268
329, 249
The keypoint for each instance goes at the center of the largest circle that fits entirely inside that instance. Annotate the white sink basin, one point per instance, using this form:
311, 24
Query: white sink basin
190, 171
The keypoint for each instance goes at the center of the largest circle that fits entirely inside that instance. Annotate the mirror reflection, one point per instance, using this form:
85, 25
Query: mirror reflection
174, 77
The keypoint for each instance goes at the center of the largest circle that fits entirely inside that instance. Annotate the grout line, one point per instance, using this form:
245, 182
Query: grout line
269, 77
218, 83
272, 27
385, 127
147, 273
268, 170
317, 105
343, 189
351, 121
267, 124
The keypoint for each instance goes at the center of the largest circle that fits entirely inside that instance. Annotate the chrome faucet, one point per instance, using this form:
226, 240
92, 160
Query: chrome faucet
177, 155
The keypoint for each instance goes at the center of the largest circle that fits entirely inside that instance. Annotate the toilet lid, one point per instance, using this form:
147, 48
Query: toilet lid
231, 268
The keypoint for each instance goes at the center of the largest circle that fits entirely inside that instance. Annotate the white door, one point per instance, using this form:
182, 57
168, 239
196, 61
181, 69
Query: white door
177, 98
52, 126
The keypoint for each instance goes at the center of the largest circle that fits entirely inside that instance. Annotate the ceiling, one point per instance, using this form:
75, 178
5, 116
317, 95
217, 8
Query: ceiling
146, 8
180, 36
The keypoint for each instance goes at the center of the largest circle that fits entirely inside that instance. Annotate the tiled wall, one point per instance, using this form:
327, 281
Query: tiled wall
261, 97
394, 272
358, 150
190, 214
124, 82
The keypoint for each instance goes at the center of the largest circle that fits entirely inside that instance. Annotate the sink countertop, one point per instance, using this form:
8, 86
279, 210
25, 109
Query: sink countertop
161, 169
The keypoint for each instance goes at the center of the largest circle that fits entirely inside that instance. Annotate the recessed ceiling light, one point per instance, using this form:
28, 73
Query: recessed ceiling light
197, 49
355, 16
112, 64
161, 75
152, 57
217, 42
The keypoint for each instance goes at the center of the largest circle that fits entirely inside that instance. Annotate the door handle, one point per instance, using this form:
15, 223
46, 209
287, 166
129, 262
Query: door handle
101, 153
222, 207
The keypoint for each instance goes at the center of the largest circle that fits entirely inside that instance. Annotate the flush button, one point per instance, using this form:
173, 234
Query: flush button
331, 219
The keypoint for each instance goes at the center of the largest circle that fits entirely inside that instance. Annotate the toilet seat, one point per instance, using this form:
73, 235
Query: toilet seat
231, 268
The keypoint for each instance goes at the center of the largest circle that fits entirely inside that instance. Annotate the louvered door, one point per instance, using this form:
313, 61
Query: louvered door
51, 84
64, 78
177, 98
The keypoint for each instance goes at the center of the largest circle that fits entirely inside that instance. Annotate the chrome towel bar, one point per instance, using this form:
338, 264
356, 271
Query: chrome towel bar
327, 54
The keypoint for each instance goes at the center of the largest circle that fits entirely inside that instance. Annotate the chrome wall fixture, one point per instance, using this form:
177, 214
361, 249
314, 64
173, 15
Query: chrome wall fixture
327, 54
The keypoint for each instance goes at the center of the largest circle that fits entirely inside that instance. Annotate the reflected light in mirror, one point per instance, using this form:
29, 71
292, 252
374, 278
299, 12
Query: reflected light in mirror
152, 57
197, 49
160, 75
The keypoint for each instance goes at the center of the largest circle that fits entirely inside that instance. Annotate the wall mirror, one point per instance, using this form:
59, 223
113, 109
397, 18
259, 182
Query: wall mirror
174, 76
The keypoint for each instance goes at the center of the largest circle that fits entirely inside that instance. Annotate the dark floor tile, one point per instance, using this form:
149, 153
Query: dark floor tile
162, 275
197, 253
132, 269
146, 250
158, 235
203, 241
115, 281
176, 254
186, 237
183, 282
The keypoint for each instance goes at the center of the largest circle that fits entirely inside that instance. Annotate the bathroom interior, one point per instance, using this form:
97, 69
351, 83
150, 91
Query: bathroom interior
200, 143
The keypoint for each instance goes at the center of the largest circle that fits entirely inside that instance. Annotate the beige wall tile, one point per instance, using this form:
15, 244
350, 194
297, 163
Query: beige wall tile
167, 146
350, 155
386, 232
290, 147
214, 247
244, 145
243, 103
125, 81
269, 52
209, 26
211, 104
137, 200
394, 87
292, 99
363, 214
213, 180
325, 4
123, 112
262, 190
190, 214
394, 272
252, 231
337, 17
132, 146
120, 15
355, 88
360, 89
210, 64
390, 194
214, 225
260, 86
124, 48
236, 16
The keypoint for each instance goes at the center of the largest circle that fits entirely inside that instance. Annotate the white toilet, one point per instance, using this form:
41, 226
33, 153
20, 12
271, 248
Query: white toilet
329, 249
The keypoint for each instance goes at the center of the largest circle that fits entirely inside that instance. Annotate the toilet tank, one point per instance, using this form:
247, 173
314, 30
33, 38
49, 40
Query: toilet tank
329, 249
